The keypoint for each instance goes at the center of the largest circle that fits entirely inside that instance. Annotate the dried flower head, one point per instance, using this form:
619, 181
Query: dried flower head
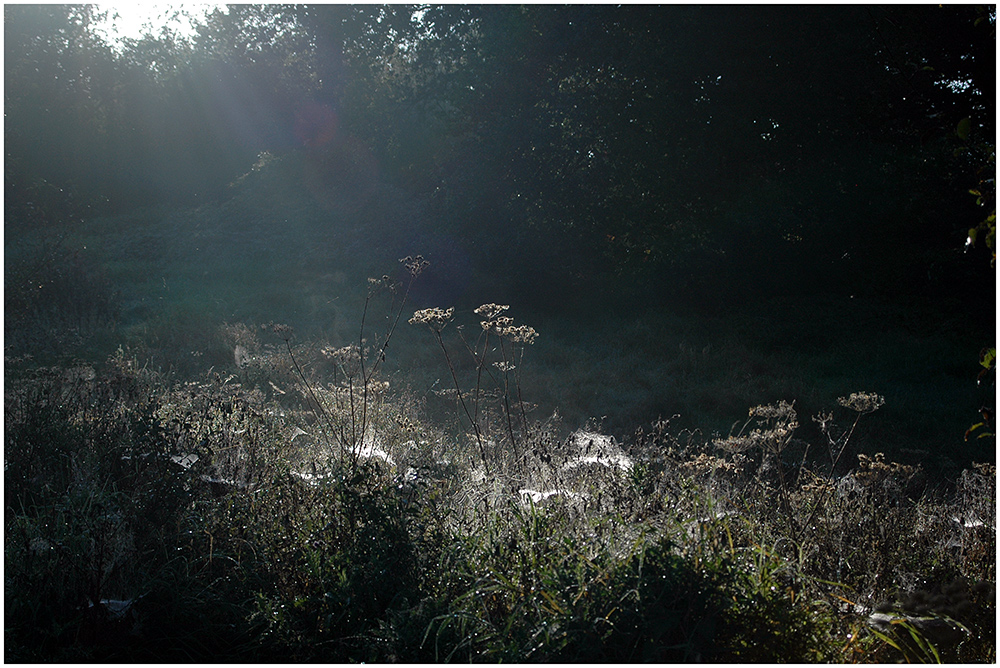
490, 311
284, 331
817, 484
376, 285
875, 469
862, 402
780, 410
415, 265
755, 438
823, 419
378, 386
520, 334
435, 318
347, 355
705, 463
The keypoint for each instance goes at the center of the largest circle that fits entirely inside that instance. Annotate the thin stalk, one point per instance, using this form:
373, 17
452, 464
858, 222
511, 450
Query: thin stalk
367, 375
480, 360
475, 426
506, 396
785, 497
354, 424
826, 490
480, 363
319, 404
517, 382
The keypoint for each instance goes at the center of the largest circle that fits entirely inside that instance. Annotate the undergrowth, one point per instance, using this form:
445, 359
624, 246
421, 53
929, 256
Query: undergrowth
294, 504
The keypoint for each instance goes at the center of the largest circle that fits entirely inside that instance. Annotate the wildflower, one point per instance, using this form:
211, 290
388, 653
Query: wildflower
520, 334
376, 285
823, 419
755, 438
415, 265
435, 318
862, 402
347, 355
490, 311
782, 409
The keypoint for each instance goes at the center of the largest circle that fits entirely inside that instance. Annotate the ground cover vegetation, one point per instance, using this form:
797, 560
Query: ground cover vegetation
681, 373
291, 506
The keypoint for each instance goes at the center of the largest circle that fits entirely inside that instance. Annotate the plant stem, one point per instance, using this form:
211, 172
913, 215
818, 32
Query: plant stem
827, 489
475, 426
506, 396
319, 404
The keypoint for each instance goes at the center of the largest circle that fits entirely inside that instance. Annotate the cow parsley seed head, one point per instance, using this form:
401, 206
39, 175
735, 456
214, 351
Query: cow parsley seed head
520, 334
780, 410
490, 311
415, 265
435, 318
862, 402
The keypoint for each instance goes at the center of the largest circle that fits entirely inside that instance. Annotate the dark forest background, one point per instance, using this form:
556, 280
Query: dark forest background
801, 178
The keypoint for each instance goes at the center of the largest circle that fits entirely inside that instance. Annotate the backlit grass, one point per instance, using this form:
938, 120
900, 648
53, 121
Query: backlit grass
186, 480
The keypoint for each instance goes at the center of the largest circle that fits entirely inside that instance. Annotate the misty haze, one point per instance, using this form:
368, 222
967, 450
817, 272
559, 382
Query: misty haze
495, 333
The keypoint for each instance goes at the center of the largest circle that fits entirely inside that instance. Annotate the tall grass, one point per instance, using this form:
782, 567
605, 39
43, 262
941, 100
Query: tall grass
294, 502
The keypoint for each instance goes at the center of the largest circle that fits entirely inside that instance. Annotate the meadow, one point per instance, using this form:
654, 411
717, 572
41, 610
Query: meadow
249, 431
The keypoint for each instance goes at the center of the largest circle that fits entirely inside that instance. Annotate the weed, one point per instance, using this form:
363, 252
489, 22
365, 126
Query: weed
286, 505
512, 341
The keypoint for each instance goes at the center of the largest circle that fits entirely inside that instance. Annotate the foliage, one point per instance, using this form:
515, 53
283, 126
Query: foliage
986, 381
91, 502
294, 502
610, 131
260, 513
55, 300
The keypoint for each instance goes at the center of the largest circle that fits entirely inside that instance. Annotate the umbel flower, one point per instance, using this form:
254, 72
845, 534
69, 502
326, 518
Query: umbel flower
503, 325
862, 402
346, 356
491, 311
414, 265
520, 334
435, 318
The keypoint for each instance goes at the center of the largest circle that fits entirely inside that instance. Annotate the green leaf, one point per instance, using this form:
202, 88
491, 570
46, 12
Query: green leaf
930, 652
887, 640
964, 126
988, 357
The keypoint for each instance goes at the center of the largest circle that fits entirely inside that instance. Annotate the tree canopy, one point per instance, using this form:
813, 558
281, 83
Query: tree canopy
633, 139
